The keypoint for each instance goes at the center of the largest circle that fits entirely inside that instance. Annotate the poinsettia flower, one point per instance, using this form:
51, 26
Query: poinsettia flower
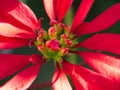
20, 27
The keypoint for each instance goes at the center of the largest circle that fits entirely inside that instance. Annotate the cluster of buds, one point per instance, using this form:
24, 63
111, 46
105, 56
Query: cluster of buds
56, 43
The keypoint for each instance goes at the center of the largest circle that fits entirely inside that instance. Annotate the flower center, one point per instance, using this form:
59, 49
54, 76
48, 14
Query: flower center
55, 43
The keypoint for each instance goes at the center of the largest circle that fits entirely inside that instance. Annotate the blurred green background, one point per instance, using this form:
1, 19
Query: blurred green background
48, 69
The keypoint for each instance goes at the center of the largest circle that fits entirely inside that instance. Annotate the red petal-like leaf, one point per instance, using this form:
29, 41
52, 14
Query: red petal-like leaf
20, 12
82, 12
105, 20
9, 30
61, 8
85, 79
11, 63
8, 42
22, 80
36, 59
107, 65
79, 82
49, 7
10, 27
56, 9
77, 30
60, 81
103, 42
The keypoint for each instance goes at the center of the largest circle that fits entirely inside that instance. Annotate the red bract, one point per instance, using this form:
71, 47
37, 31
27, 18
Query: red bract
18, 26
